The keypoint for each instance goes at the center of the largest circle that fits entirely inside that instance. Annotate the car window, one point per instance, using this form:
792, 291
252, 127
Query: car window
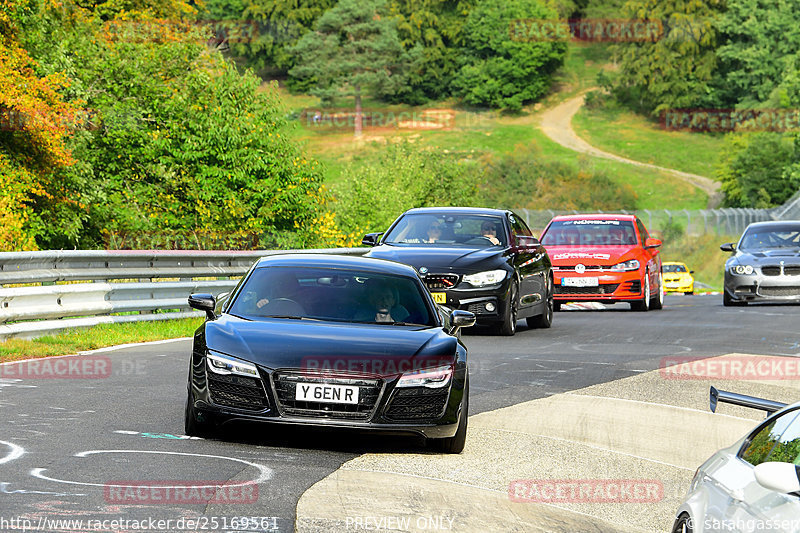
777, 441
426, 229
771, 237
674, 268
518, 226
332, 295
590, 233
642, 230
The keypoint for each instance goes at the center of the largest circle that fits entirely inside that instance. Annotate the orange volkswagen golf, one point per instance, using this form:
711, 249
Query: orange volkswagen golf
604, 258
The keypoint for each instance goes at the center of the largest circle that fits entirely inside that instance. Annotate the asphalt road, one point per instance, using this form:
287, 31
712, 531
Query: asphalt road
66, 443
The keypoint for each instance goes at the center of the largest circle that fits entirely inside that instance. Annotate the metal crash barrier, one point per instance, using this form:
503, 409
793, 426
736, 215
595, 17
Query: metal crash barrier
51, 291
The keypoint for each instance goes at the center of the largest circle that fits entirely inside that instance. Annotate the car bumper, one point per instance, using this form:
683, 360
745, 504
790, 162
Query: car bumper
489, 305
611, 287
392, 412
678, 286
755, 287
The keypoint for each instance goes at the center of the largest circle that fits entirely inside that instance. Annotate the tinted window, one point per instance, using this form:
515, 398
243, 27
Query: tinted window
589, 233
777, 441
674, 268
768, 238
425, 229
328, 294
642, 230
518, 226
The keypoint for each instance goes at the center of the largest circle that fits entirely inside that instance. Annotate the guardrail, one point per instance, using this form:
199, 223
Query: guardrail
51, 291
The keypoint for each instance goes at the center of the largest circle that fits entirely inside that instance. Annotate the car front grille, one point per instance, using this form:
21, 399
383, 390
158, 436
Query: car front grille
595, 268
792, 271
779, 291
441, 281
285, 384
606, 288
632, 286
771, 270
416, 403
237, 391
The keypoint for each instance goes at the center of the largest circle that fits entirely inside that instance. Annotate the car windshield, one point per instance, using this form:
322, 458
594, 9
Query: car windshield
674, 268
332, 295
590, 233
771, 237
447, 230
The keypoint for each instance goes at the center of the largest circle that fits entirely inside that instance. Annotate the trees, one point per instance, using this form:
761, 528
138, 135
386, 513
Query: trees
353, 49
498, 71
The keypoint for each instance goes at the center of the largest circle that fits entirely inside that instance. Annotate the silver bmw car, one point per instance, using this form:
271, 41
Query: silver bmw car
765, 264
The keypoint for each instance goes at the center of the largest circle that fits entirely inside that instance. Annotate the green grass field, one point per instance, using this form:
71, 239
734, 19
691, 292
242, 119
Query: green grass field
622, 132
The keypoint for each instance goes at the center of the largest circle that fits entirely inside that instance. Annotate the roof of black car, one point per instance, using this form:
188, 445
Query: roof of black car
319, 260
772, 223
459, 210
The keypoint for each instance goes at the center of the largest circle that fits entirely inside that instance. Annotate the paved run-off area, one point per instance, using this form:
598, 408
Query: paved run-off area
640, 431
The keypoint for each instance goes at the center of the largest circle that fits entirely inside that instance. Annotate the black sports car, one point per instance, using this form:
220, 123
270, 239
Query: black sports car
331, 341
485, 261
765, 264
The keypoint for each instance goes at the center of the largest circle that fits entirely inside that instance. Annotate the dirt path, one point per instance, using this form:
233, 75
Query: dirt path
556, 123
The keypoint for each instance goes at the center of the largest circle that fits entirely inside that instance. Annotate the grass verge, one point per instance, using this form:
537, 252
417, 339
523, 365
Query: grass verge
95, 337
622, 132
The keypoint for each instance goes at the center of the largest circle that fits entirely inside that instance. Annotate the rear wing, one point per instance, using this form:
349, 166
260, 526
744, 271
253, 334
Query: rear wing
744, 400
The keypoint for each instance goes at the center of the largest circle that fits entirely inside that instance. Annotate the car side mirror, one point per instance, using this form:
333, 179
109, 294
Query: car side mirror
691, 272
371, 239
203, 302
526, 241
461, 319
728, 247
652, 243
780, 477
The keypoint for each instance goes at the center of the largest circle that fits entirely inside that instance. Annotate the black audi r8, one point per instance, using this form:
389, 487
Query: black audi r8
765, 265
486, 261
333, 341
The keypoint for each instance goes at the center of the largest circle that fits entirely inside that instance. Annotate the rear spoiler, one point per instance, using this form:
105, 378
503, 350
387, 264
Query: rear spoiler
744, 400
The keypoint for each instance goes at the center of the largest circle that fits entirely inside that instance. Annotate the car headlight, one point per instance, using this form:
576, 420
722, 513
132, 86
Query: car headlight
742, 269
222, 364
432, 378
482, 279
626, 266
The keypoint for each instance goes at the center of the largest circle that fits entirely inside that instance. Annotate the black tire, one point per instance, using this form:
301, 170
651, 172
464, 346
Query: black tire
508, 327
688, 293
727, 301
192, 424
545, 320
643, 305
455, 444
683, 524
657, 301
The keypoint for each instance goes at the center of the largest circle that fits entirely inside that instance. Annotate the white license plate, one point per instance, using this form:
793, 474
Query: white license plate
580, 282
318, 392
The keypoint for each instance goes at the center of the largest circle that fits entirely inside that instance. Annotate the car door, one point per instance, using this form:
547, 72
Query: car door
736, 497
652, 255
527, 256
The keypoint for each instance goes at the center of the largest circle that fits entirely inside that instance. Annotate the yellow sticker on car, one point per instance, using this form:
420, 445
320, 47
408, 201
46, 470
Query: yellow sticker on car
439, 297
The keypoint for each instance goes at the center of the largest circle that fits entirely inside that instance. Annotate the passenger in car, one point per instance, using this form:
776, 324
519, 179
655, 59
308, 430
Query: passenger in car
382, 304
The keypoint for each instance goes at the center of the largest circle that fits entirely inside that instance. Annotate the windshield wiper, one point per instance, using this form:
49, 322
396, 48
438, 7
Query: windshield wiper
406, 324
291, 317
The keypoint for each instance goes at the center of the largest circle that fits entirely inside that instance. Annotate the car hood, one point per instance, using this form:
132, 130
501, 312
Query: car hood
592, 255
286, 343
440, 259
772, 256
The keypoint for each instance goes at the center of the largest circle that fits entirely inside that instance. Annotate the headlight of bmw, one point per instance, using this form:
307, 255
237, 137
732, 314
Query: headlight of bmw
626, 266
223, 364
745, 270
484, 279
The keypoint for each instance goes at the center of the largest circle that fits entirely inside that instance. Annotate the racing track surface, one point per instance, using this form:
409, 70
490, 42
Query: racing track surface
62, 441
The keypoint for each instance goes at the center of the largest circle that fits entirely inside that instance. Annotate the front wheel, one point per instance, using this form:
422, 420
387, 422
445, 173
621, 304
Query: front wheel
644, 303
545, 320
508, 327
683, 524
194, 422
455, 444
727, 301
657, 301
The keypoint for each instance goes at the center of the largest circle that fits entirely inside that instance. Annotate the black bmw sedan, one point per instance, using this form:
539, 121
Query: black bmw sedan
334, 341
485, 261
